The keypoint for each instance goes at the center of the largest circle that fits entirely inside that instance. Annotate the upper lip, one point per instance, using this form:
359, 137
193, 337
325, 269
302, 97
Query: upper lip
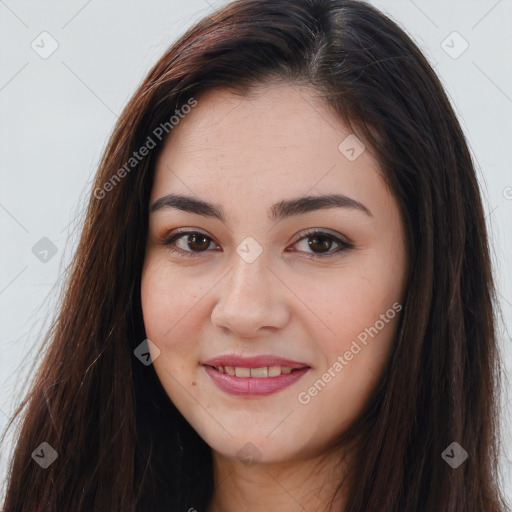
253, 362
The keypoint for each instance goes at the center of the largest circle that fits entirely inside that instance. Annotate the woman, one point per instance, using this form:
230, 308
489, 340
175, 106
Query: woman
205, 357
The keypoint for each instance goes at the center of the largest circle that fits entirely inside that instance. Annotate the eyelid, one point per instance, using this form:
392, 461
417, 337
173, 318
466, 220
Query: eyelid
322, 231
184, 231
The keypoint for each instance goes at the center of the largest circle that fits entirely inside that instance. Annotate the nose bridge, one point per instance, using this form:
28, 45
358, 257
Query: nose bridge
250, 266
250, 297
248, 281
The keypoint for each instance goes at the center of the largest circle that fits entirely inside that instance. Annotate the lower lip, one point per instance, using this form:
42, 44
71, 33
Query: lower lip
254, 386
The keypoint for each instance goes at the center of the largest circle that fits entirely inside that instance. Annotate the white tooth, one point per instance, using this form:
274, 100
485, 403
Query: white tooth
274, 371
230, 370
242, 372
259, 372
221, 369
286, 369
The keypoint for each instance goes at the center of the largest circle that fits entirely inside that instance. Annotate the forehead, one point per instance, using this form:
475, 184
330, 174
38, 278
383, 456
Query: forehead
281, 141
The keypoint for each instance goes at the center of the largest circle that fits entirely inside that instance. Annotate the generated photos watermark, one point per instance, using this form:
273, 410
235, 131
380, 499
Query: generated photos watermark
304, 397
137, 156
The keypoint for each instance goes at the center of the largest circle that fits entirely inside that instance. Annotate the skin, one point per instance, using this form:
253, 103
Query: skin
245, 154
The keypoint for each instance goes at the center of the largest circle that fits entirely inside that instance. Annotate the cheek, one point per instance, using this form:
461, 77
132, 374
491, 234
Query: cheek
175, 313
363, 313
338, 392
354, 303
167, 311
168, 302
162, 310
366, 301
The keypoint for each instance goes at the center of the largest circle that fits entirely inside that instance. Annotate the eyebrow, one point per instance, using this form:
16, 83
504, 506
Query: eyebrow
276, 212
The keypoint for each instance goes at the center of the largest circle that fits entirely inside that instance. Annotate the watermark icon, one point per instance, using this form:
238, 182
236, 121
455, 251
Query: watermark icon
249, 454
507, 193
351, 147
454, 455
147, 352
249, 250
454, 45
44, 250
137, 156
44, 45
44, 455
304, 397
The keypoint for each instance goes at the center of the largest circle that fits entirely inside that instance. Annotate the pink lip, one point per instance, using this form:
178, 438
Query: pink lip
253, 386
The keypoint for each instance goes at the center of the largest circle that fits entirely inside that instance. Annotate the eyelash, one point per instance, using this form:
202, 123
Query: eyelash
343, 245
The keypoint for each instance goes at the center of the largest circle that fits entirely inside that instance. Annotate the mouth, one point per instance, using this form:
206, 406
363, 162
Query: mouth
259, 376
259, 372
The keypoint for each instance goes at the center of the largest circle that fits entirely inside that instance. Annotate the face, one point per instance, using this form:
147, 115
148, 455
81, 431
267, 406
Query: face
300, 300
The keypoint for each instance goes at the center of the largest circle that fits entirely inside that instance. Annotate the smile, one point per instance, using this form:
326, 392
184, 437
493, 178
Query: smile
257, 376
262, 372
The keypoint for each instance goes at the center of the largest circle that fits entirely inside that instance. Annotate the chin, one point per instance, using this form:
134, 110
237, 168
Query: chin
259, 447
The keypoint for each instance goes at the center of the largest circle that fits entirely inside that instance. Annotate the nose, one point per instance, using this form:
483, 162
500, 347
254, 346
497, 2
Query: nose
251, 300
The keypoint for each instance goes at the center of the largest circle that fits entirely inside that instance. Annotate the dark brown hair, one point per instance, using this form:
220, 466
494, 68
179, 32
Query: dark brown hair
121, 443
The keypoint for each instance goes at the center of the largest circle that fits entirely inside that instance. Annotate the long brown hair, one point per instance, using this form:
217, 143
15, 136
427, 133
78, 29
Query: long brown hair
121, 443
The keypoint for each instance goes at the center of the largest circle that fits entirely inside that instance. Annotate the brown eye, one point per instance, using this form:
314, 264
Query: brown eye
188, 242
198, 242
320, 243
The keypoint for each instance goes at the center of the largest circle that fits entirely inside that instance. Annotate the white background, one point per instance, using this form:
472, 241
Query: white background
57, 113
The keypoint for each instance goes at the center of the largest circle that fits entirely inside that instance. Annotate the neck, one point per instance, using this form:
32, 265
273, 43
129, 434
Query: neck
295, 486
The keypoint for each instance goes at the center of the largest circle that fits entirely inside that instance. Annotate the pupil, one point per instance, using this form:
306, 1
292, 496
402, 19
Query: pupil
196, 237
326, 242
